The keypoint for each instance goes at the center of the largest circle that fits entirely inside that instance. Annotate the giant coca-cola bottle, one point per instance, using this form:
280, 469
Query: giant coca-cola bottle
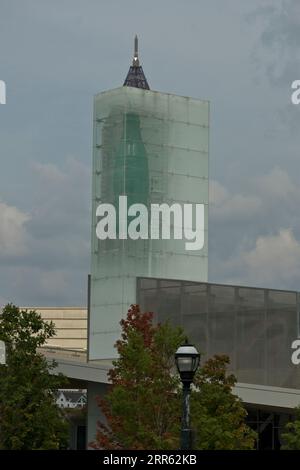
130, 168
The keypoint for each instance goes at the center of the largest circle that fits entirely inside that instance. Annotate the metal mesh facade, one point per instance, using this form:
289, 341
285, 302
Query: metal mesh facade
136, 78
255, 327
153, 148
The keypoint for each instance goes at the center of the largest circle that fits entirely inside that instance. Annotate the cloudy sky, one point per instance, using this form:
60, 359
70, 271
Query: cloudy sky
56, 54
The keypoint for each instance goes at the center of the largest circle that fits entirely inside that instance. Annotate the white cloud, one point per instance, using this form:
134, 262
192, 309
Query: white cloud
278, 184
257, 240
226, 206
48, 173
13, 231
45, 254
272, 192
273, 261
274, 258
217, 193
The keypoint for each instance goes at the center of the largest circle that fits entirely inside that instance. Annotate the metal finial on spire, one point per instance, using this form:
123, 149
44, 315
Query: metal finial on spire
135, 61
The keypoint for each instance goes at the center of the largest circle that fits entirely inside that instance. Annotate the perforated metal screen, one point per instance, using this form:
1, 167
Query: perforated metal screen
255, 327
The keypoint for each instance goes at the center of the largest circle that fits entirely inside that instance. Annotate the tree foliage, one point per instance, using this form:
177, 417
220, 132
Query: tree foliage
141, 408
218, 416
291, 435
29, 417
143, 405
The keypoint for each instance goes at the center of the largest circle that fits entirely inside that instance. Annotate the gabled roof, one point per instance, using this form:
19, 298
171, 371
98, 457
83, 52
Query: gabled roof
72, 395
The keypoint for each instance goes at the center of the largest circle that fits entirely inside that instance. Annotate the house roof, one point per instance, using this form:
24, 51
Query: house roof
72, 395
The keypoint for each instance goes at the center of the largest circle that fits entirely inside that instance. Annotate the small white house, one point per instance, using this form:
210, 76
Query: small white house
71, 398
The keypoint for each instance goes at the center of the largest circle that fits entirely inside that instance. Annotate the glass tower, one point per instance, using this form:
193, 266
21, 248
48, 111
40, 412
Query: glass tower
153, 148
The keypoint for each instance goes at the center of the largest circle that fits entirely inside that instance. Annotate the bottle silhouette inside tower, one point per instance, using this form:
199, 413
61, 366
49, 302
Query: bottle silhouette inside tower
131, 172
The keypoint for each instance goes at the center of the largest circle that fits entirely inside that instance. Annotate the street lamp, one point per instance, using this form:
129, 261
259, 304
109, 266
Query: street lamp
187, 360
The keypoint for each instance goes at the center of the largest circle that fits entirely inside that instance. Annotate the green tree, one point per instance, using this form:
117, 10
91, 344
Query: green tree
291, 435
143, 405
29, 417
141, 408
218, 416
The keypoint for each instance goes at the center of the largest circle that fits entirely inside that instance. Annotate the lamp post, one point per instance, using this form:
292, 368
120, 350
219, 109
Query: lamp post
187, 360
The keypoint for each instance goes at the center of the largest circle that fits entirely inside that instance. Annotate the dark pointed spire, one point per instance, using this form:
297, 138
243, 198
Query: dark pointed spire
135, 61
136, 77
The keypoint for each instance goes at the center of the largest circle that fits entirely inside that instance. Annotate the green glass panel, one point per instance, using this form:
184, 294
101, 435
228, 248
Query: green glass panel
130, 171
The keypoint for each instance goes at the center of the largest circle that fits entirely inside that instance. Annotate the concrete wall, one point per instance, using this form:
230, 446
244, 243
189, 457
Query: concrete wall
70, 324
